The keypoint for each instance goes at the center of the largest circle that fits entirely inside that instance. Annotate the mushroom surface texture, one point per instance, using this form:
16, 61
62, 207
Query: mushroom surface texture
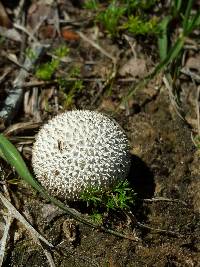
78, 150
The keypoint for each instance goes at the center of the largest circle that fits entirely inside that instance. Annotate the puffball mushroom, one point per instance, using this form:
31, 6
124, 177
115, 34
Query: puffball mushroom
78, 150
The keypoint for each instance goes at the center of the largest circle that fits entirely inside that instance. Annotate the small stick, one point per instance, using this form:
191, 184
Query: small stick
141, 225
23, 29
8, 221
164, 199
15, 213
167, 82
158, 230
191, 74
28, 85
14, 99
197, 110
45, 83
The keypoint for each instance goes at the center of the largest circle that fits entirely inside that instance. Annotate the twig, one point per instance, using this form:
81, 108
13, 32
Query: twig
14, 99
98, 47
157, 199
21, 126
23, 29
10, 34
45, 83
15, 213
19, 9
158, 230
131, 43
191, 74
12, 59
47, 254
56, 18
8, 219
144, 226
197, 110
8, 222
167, 82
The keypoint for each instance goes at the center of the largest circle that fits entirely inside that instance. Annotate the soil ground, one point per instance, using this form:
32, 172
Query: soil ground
165, 164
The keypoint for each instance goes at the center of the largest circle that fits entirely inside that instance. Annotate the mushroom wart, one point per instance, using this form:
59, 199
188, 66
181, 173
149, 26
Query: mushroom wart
78, 150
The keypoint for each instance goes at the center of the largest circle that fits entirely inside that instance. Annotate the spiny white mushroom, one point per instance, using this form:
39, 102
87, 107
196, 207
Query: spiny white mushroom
78, 150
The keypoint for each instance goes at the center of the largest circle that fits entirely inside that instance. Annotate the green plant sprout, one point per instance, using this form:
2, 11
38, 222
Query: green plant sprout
97, 217
141, 4
46, 70
137, 26
91, 4
69, 89
120, 198
61, 51
171, 54
30, 53
110, 17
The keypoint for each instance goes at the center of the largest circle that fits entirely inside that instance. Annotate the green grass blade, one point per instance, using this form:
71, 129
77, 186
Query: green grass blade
187, 16
162, 38
9, 153
173, 53
194, 22
176, 6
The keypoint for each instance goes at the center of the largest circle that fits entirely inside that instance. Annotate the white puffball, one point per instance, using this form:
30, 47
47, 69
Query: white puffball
78, 150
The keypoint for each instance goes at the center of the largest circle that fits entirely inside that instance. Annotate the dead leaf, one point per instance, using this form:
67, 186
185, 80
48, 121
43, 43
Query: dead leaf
4, 19
20, 127
31, 106
69, 35
10, 34
44, 98
47, 32
135, 67
38, 13
108, 104
193, 63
